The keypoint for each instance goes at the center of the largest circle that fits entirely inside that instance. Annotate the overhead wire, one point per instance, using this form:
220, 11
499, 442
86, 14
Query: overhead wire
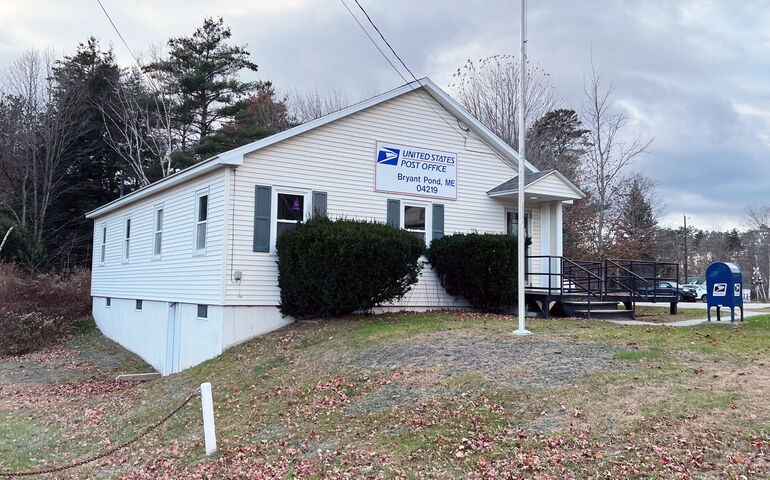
463, 132
131, 52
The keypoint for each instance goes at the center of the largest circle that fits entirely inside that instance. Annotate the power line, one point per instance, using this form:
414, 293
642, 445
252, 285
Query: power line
119, 34
385, 40
461, 131
366, 32
125, 43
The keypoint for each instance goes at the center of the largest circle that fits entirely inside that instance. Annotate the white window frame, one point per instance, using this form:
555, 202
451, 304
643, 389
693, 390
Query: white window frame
203, 319
428, 206
204, 192
107, 302
128, 226
156, 255
528, 229
103, 245
138, 304
305, 193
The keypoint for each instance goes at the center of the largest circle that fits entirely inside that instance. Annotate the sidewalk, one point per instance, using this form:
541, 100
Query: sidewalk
751, 311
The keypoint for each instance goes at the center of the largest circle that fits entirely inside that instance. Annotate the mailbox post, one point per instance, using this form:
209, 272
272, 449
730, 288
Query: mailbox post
725, 288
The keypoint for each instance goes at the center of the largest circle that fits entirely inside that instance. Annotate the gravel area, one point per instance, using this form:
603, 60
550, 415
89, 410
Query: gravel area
390, 396
531, 361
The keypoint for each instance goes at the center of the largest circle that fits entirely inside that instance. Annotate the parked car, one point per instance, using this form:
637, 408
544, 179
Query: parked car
670, 289
700, 290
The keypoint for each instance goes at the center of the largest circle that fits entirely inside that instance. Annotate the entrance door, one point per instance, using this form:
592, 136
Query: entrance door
512, 228
173, 337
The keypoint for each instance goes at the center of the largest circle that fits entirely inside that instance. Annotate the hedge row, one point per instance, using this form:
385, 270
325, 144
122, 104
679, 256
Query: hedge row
332, 268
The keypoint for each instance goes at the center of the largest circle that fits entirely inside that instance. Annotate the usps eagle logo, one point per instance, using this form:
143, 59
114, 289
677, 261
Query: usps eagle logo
388, 156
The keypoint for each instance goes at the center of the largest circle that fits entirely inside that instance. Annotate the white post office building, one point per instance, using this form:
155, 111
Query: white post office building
186, 267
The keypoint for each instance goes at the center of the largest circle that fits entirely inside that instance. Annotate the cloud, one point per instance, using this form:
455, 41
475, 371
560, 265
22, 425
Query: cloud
694, 74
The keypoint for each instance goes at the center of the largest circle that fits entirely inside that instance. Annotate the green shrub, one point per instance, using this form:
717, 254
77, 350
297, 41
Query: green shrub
26, 333
331, 268
479, 267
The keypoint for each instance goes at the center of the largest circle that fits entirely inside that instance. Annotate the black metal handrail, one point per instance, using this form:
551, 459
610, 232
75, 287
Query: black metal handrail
658, 271
574, 283
599, 279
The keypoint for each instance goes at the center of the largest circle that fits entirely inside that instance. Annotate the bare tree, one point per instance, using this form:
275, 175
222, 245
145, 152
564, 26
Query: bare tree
489, 90
139, 128
311, 103
758, 220
607, 154
36, 148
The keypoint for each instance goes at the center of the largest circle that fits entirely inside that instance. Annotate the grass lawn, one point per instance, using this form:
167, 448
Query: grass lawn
661, 314
412, 396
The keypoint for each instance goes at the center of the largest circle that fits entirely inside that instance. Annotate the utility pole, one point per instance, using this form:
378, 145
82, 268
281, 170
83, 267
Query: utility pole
686, 278
522, 311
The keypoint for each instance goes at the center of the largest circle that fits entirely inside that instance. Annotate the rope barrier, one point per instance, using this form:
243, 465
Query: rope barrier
107, 453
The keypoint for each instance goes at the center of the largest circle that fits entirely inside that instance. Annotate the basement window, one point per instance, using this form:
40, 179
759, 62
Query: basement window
139, 304
203, 312
108, 302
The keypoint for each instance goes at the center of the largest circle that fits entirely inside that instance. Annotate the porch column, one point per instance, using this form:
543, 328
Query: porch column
546, 245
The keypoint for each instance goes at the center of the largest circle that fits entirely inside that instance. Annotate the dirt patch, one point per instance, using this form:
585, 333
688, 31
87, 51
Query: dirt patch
521, 361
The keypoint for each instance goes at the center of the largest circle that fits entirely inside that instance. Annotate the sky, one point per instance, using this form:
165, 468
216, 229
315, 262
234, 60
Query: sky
693, 75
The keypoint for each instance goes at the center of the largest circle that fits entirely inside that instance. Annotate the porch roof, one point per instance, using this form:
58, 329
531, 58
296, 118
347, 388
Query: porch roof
546, 185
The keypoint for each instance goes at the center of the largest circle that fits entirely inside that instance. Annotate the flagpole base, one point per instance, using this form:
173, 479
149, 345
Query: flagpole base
521, 331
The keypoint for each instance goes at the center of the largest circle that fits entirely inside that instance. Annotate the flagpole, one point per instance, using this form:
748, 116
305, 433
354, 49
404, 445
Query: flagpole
521, 232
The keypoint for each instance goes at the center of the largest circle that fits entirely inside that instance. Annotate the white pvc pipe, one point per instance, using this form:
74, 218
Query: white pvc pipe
207, 408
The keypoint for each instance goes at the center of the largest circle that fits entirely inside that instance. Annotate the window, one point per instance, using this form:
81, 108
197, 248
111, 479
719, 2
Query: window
139, 304
127, 240
290, 212
103, 247
512, 224
108, 302
203, 311
415, 221
157, 241
201, 221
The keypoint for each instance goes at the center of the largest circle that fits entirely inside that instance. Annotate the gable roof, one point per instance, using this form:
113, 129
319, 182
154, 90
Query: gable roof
512, 186
235, 156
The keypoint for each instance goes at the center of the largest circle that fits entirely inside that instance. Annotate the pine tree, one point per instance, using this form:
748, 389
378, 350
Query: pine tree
557, 140
637, 224
201, 71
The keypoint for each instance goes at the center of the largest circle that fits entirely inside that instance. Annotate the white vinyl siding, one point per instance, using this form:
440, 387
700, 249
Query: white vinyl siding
338, 158
181, 276
551, 185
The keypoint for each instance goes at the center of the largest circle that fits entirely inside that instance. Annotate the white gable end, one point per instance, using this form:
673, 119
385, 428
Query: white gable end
339, 158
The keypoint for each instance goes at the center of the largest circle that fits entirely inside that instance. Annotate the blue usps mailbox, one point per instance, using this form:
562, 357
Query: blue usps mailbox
724, 284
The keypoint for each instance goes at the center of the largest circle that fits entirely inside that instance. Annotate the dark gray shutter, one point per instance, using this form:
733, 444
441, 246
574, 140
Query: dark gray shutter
394, 213
319, 204
262, 198
438, 221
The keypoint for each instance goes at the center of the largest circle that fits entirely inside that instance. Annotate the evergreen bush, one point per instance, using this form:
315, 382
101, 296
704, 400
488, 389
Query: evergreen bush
333, 268
481, 268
